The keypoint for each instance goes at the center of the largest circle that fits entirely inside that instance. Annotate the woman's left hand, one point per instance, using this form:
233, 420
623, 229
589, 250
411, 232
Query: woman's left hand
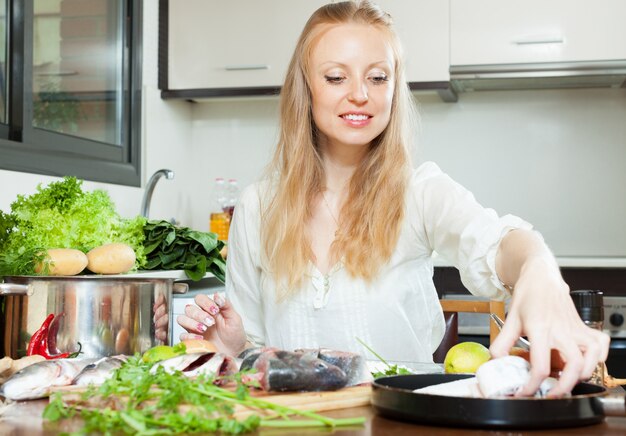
543, 310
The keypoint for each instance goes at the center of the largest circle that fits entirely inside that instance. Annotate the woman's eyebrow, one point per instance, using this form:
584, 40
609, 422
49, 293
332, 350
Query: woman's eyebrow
344, 65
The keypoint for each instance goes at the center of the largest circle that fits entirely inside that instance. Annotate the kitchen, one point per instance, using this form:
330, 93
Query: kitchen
554, 156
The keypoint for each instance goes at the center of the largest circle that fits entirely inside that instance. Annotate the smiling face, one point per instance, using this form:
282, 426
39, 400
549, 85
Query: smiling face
352, 82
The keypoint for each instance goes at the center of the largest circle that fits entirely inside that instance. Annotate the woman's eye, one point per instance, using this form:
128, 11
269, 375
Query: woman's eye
380, 79
334, 79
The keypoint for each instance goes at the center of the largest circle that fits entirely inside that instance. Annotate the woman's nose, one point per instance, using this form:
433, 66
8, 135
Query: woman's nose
358, 92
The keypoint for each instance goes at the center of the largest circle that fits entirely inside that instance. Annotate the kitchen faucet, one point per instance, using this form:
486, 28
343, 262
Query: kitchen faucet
147, 195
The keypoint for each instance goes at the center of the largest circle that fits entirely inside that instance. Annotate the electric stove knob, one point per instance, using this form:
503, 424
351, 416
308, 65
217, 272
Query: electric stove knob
616, 319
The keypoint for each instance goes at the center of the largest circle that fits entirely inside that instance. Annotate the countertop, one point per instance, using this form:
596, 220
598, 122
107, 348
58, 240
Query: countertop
25, 419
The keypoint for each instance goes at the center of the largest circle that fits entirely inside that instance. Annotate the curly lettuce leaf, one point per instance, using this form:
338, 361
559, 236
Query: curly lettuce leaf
62, 215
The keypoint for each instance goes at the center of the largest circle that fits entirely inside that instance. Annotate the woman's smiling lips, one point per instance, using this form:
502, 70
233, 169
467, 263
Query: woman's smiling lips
356, 119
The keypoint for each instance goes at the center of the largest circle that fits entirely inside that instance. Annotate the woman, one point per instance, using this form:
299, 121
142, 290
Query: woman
336, 243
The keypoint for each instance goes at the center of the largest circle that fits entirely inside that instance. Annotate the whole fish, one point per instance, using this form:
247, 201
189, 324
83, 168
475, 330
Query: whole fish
291, 371
37, 380
250, 355
99, 371
178, 363
353, 364
193, 364
217, 364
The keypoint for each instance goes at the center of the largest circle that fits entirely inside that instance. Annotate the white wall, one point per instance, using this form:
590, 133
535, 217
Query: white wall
557, 158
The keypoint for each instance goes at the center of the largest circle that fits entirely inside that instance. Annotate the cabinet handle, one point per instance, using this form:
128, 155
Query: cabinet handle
247, 67
539, 40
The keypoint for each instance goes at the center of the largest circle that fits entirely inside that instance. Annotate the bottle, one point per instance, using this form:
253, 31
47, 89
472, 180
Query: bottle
232, 195
220, 220
590, 307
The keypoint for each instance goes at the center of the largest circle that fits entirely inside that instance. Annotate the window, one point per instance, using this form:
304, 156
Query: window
70, 88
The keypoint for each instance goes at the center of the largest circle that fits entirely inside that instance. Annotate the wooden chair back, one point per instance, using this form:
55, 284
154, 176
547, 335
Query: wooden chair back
452, 307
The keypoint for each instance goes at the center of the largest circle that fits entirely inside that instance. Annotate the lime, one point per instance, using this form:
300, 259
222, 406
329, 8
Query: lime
465, 357
161, 352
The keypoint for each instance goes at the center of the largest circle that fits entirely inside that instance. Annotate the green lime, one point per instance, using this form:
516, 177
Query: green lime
161, 352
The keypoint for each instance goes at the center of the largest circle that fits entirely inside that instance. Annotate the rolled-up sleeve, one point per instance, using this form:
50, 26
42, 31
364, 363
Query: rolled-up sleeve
462, 231
243, 266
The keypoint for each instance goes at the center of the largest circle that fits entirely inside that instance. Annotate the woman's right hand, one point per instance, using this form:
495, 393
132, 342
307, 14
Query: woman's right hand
214, 320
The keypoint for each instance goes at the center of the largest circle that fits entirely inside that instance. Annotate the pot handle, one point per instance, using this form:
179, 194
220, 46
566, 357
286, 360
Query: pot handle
15, 289
180, 288
613, 404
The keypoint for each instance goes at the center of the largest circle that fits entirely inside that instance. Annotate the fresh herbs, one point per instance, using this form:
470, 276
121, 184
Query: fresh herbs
171, 247
62, 215
390, 369
164, 403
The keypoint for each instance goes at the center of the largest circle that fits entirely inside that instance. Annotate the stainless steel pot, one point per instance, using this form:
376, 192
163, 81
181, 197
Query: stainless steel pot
107, 315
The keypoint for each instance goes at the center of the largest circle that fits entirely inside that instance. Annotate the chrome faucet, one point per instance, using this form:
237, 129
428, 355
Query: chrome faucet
147, 195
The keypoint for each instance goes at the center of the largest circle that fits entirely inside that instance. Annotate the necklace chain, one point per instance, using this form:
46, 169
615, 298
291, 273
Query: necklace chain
329, 209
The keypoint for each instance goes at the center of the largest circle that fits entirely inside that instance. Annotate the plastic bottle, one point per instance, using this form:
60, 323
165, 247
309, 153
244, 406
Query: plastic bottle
220, 220
590, 307
232, 195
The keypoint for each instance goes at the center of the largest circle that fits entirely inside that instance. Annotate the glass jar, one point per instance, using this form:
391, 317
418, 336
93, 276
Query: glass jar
590, 307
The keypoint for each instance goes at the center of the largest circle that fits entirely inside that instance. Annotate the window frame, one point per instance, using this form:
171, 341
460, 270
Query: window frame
25, 148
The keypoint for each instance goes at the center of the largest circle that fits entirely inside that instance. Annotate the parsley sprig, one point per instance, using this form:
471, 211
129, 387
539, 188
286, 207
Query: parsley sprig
390, 369
138, 402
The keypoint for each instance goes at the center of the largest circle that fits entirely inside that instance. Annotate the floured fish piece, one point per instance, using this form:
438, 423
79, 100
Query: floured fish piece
496, 378
98, 372
505, 376
290, 371
466, 387
37, 380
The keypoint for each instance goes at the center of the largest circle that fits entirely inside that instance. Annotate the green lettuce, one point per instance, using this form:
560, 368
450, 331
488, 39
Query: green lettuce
62, 215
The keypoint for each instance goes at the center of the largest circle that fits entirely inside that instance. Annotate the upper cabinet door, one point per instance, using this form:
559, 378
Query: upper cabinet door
424, 29
487, 32
234, 43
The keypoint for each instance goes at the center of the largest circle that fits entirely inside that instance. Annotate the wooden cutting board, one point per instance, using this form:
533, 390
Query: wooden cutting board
354, 396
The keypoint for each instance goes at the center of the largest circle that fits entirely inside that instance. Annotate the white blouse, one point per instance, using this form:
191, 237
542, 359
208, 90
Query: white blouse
398, 314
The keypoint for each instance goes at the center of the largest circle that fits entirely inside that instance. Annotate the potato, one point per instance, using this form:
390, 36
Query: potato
62, 262
112, 258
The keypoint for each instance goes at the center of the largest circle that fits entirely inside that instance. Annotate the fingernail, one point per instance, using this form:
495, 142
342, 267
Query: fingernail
209, 322
219, 300
213, 310
201, 327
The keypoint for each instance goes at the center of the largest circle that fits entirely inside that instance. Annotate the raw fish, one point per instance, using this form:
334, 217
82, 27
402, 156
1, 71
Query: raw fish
250, 355
98, 372
217, 364
353, 364
178, 363
193, 364
35, 381
291, 371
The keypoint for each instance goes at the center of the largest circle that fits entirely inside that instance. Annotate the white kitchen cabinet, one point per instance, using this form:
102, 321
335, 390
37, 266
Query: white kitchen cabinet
234, 43
485, 32
424, 29
243, 47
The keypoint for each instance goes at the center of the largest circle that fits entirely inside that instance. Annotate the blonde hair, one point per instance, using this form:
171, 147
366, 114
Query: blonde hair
372, 215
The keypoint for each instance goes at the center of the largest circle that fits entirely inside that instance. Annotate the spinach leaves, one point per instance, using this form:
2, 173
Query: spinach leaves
169, 247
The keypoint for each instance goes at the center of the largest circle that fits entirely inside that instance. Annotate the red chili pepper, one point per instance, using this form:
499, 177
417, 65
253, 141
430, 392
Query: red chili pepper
39, 342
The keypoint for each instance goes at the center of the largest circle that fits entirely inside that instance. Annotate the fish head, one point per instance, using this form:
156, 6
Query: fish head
31, 382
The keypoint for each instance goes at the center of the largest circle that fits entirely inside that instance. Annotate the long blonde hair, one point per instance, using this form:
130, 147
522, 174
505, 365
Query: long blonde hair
372, 215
